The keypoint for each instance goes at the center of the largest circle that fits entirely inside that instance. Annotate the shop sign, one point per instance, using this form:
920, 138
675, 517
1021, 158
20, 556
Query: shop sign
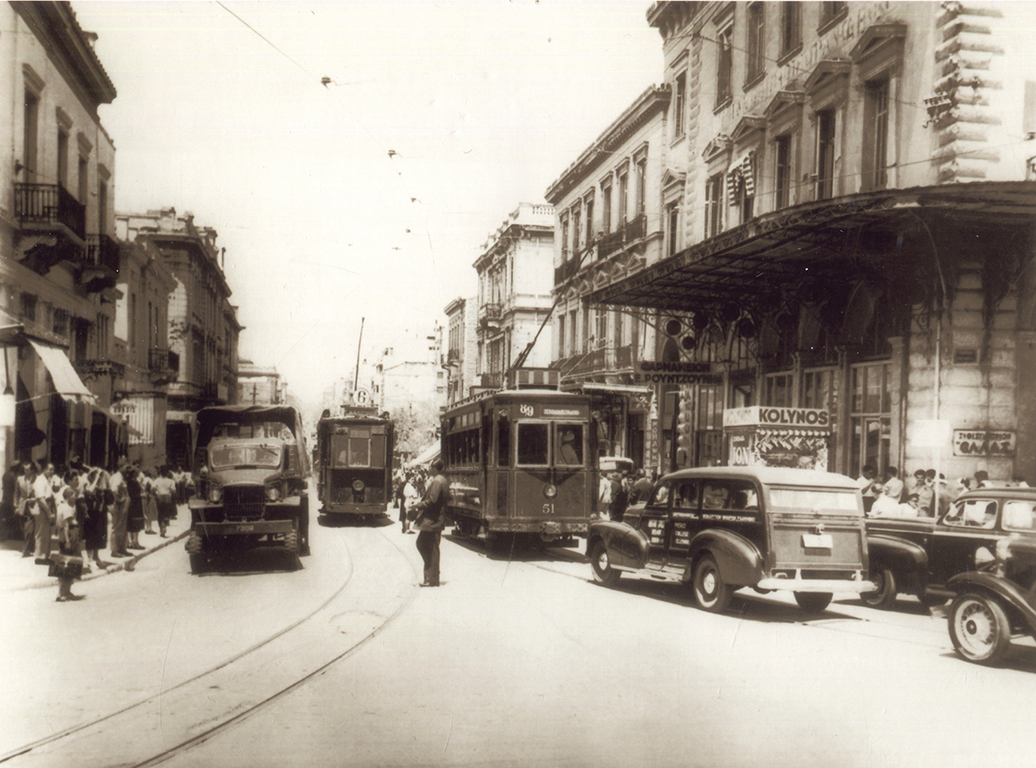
983, 443
763, 416
652, 372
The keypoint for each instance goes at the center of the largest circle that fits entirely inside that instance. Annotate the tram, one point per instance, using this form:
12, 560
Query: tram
354, 453
521, 462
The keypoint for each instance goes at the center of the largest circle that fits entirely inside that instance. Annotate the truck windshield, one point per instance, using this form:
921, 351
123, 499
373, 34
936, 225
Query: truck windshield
818, 500
224, 456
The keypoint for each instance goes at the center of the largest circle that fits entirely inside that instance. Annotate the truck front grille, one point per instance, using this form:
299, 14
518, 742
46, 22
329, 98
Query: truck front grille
243, 503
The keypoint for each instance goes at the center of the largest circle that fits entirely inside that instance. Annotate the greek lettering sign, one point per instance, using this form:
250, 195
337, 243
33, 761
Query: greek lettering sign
983, 443
652, 372
763, 416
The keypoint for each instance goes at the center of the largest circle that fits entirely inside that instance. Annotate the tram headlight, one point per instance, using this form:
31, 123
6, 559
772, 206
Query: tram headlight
550, 490
273, 493
215, 494
358, 485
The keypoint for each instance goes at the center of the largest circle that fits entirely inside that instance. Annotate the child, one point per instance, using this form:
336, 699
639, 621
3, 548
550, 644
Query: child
69, 565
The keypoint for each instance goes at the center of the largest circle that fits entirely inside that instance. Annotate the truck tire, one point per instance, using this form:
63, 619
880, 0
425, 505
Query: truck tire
196, 553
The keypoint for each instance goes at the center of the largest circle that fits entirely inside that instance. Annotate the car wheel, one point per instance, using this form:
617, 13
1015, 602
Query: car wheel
603, 571
979, 628
813, 602
884, 597
196, 553
709, 590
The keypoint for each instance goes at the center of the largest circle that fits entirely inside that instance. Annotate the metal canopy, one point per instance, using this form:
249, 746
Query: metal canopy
819, 243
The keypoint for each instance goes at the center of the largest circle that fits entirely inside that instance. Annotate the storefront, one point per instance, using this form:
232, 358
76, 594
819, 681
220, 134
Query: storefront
881, 309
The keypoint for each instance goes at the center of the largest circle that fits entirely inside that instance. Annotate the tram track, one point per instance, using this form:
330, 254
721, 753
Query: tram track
184, 716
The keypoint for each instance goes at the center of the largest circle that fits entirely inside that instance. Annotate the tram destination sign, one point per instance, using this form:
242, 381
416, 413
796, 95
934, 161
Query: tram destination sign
652, 372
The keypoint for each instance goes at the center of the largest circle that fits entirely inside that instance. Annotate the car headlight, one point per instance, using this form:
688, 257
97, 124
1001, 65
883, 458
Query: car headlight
273, 493
215, 494
550, 491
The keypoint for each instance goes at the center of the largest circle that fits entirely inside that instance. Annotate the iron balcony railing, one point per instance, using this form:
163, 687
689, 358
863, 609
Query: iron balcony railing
632, 231
103, 252
49, 204
490, 313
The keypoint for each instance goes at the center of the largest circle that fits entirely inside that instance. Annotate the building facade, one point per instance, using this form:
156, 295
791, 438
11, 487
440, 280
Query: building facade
856, 237
514, 288
461, 348
611, 222
203, 330
58, 257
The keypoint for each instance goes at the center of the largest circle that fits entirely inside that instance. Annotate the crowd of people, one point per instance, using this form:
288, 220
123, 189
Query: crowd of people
920, 495
620, 489
87, 509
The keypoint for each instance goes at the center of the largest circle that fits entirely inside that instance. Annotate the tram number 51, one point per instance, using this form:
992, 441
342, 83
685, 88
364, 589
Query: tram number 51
548, 509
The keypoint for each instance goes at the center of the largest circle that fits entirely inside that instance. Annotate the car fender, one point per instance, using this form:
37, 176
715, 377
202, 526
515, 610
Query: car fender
996, 586
627, 546
739, 561
907, 559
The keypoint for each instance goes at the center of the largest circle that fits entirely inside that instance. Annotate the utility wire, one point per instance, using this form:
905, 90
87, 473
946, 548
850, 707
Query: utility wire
265, 39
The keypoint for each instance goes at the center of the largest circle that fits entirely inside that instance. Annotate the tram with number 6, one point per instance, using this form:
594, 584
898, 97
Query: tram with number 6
521, 462
354, 456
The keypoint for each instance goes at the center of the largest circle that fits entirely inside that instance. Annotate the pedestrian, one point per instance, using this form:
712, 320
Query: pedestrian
981, 479
400, 497
44, 513
892, 486
68, 566
642, 487
410, 499
10, 525
429, 516
23, 507
119, 509
619, 497
135, 509
164, 489
95, 529
926, 494
869, 486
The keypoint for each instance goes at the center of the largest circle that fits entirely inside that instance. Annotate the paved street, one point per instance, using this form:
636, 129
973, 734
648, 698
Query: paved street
518, 660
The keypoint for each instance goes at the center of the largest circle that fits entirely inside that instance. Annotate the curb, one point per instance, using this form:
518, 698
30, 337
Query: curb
125, 565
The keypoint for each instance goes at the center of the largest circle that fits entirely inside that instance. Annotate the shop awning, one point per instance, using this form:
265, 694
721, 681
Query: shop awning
823, 243
66, 381
427, 456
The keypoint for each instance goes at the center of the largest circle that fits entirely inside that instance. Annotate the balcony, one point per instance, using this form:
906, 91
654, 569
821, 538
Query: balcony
164, 365
565, 271
102, 263
489, 315
492, 380
92, 369
626, 235
453, 357
52, 226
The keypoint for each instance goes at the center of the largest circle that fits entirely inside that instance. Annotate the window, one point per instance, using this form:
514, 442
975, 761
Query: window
876, 134
82, 178
714, 205
589, 220
63, 157
782, 172
725, 64
573, 332
756, 41
606, 208
561, 336
601, 326
870, 417
830, 11
679, 96
577, 231
825, 154
564, 238
31, 138
569, 441
533, 444
641, 181
672, 228
503, 439
624, 183
791, 27
777, 390
743, 194
102, 206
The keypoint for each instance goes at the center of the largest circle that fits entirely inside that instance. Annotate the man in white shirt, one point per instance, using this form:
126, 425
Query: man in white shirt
44, 513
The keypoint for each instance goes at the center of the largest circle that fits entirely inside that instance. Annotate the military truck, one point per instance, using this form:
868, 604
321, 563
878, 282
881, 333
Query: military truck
251, 478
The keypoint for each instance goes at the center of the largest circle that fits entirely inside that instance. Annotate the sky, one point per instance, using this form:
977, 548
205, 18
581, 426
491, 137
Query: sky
354, 157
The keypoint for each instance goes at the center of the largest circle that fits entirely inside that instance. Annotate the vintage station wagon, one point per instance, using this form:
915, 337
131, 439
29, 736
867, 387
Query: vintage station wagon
724, 528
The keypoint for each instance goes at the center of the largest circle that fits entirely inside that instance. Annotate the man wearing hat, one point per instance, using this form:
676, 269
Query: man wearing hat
429, 515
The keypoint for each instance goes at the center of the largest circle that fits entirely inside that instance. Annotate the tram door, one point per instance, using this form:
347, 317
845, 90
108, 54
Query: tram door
498, 463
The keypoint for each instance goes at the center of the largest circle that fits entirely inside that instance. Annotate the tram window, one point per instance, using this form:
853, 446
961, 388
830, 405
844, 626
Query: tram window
503, 440
378, 451
533, 444
359, 451
569, 440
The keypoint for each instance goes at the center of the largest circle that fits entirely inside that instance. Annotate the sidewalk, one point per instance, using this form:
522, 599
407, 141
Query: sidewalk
18, 573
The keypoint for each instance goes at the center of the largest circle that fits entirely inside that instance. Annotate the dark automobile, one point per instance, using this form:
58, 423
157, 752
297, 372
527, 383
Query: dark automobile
724, 528
251, 479
921, 555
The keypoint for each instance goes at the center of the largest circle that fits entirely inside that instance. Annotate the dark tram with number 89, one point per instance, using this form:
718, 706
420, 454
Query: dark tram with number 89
521, 462
354, 454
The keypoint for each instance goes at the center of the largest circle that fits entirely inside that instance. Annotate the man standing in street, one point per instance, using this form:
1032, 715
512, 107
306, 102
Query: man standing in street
45, 513
429, 515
